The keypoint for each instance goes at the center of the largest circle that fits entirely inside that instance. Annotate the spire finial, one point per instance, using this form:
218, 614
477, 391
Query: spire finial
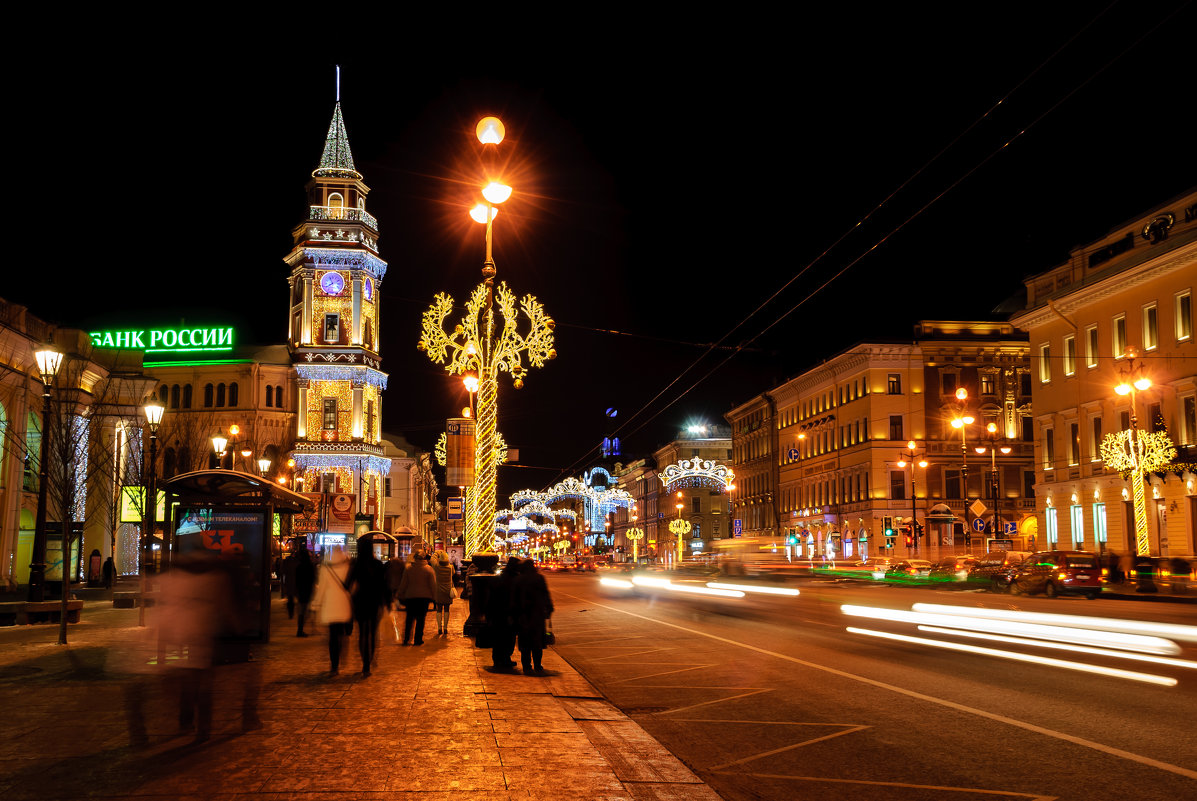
338, 83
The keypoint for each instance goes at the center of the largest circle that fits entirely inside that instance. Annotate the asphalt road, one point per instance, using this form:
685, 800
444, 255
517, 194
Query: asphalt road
773, 698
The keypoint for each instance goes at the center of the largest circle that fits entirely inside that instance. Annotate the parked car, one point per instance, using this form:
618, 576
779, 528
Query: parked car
1059, 572
994, 570
952, 568
908, 569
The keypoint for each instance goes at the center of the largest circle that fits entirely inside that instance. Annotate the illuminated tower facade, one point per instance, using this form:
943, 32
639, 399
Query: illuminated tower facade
335, 279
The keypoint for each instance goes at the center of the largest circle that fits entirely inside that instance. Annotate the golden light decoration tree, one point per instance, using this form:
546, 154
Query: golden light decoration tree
635, 535
680, 528
441, 451
487, 341
1136, 453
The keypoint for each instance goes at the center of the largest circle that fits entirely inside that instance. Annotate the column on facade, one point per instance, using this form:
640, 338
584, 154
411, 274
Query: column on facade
307, 310
358, 392
356, 331
301, 410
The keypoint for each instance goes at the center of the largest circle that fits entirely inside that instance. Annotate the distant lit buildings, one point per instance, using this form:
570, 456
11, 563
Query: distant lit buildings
1131, 289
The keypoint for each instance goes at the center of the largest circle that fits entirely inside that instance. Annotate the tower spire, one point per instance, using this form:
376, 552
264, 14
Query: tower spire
337, 160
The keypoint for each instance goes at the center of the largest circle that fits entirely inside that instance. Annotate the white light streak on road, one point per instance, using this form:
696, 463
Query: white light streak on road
719, 585
1172, 631
1080, 649
1148, 678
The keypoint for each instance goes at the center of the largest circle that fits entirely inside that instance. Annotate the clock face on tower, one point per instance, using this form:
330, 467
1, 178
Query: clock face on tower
332, 283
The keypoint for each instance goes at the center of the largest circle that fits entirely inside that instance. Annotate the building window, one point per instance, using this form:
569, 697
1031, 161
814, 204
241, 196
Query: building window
1095, 439
696, 505
1024, 384
1155, 417
332, 327
952, 483
330, 414
1188, 434
1069, 355
895, 427
233, 393
1118, 336
897, 485
207, 396
1091, 346
1028, 429
336, 206
1099, 525
1028, 484
1077, 513
988, 384
186, 396
386, 485
1184, 316
895, 384
949, 383
278, 397
1053, 532
1045, 364
174, 396
163, 394
269, 397
1151, 334
1074, 443
220, 390
1124, 421
1049, 449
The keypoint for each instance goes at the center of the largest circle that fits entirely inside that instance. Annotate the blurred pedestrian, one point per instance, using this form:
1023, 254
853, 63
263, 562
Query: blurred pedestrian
532, 606
334, 607
109, 572
287, 579
197, 607
394, 572
499, 623
417, 590
369, 591
444, 591
305, 580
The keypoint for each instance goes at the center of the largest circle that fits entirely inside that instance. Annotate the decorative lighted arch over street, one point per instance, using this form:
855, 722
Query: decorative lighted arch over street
696, 473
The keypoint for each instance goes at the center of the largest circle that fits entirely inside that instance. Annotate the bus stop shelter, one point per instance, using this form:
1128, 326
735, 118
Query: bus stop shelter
232, 515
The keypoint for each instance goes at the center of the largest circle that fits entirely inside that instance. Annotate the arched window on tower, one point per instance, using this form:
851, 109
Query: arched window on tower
336, 206
269, 397
219, 395
233, 393
186, 396
278, 397
163, 394
170, 463
207, 396
174, 397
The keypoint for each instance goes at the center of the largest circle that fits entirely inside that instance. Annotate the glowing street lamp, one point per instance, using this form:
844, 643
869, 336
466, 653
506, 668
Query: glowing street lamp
961, 420
153, 416
993, 449
486, 341
49, 360
921, 462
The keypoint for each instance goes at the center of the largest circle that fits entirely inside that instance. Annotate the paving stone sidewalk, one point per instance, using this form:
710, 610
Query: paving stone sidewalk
430, 723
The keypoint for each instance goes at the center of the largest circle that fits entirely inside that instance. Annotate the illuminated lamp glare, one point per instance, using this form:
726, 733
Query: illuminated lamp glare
490, 130
496, 193
479, 213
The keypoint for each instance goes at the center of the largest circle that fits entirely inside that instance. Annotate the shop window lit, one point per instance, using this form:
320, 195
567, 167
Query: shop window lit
1053, 532
1099, 524
1077, 515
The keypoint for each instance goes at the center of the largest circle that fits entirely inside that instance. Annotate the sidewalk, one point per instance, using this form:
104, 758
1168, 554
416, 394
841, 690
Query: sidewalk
430, 723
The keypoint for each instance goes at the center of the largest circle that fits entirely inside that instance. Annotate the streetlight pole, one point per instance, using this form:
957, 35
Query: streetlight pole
153, 416
49, 361
995, 489
922, 462
961, 420
1132, 381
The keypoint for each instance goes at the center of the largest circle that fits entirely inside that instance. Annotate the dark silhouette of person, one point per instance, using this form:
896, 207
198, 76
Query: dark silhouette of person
417, 589
109, 573
498, 616
305, 579
370, 593
531, 606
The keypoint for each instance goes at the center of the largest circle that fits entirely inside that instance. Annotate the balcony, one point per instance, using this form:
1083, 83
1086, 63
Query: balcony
340, 213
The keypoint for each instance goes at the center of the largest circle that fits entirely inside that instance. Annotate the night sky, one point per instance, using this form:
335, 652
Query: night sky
670, 177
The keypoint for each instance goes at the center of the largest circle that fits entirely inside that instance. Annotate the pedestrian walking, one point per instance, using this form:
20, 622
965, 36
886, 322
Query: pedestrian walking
444, 591
499, 624
417, 591
532, 606
305, 580
394, 571
368, 589
109, 571
334, 607
287, 579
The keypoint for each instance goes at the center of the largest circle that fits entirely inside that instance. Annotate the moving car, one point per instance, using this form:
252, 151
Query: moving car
952, 568
1059, 572
995, 569
908, 569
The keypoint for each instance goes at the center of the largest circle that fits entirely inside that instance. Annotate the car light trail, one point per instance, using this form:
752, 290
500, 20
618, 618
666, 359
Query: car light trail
1172, 631
1147, 678
1075, 636
666, 584
622, 584
1080, 649
719, 585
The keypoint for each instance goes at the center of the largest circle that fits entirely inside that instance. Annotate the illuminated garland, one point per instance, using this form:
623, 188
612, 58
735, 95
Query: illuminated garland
347, 372
346, 260
336, 161
322, 213
696, 473
1136, 453
374, 464
525, 496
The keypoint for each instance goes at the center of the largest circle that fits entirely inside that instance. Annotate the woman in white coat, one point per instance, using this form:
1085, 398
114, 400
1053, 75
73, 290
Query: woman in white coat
333, 604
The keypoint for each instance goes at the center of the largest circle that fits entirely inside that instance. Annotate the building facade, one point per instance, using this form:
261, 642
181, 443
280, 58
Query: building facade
1120, 308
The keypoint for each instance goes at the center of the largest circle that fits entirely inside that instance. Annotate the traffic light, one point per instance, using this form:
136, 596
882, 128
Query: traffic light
887, 523
909, 541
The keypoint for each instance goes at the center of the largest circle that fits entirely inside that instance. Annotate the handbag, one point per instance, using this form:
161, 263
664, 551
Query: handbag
453, 594
549, 637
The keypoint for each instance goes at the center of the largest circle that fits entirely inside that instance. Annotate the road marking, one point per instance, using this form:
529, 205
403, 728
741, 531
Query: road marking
783, 749
1009, 793
755, 691
666, 673
1081, 741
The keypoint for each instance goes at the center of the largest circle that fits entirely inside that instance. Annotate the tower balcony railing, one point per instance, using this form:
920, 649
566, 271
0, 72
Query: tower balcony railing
342, 213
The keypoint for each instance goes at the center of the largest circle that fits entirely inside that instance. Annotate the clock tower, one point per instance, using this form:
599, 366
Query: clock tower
335, 279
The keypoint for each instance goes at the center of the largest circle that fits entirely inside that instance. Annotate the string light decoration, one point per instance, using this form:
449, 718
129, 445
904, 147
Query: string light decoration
635, 535
681, 528
337, 160
1135, 453
696, 474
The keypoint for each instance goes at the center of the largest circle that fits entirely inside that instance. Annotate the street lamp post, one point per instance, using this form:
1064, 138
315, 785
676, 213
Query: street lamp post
49, 361
994, 487
487, 341
922, 462
961, 420
1133, 380
153, 416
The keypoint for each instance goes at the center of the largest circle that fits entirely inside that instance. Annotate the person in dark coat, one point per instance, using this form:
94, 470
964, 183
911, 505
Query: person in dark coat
417, 589
498, 616
370, 593
109, 573
305, 579
531, 606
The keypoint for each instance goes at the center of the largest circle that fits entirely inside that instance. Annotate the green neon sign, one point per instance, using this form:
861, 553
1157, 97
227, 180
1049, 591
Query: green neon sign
167, 340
